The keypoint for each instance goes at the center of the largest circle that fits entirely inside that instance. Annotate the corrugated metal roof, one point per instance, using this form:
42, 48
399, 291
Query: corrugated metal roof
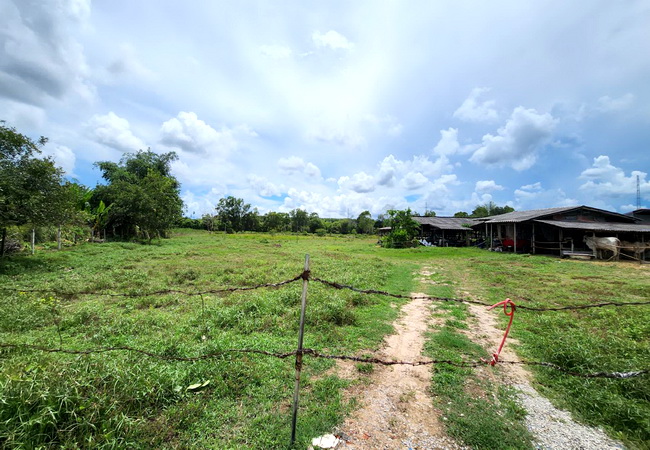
523, 216
599, 226
446, 223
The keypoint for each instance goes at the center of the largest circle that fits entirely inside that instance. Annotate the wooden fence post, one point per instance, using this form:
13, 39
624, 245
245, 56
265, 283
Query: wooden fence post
303, 308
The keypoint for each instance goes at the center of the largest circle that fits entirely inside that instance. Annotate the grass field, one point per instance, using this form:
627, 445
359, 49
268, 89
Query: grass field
127, 400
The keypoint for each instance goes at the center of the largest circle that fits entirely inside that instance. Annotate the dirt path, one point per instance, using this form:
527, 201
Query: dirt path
396, 411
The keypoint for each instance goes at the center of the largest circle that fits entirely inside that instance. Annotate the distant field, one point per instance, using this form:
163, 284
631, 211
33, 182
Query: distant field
121, 399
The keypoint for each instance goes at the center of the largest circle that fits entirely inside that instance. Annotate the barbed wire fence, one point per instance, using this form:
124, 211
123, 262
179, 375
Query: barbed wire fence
305, 276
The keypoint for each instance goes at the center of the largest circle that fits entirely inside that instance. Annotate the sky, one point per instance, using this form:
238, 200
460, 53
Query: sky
337, 107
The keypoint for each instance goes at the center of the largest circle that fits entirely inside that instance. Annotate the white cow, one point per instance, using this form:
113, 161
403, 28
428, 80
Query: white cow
598, 244
638, 248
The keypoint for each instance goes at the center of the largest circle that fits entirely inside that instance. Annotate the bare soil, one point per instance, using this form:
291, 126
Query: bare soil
396, 409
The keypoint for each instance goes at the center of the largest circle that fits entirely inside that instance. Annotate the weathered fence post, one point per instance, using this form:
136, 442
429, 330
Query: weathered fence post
303, 308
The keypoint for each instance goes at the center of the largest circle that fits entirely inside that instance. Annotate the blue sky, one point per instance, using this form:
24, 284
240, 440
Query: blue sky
339, 107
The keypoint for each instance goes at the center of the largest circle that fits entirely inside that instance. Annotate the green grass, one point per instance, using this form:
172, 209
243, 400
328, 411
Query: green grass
122, 400
590, 340
125, 400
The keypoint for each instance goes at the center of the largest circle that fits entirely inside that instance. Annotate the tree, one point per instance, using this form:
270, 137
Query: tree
315, 223
143, 195
276, 221
31, 188
403, 229
490, 209
429, 213
299, 220
365, 224
461, 214
231, 212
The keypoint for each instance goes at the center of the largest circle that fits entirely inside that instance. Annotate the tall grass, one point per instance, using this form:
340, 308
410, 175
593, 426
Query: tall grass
122, 400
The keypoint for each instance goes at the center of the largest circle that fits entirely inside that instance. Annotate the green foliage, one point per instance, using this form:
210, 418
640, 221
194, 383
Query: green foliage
143, 195
403, 229
461, 214
235, 215
299, 220
365, 224
490, 209
31, 188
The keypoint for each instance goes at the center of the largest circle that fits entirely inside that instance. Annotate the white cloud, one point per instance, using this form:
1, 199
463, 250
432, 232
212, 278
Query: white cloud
474, 111
606, 180
264, 187
297, 165
128, 64
115, 132
414, 180
191, 134
338, 136
609, 104
63, 157
516, 144
332, 40
448, 144
276, 51
534, 196
360, 182
487, 186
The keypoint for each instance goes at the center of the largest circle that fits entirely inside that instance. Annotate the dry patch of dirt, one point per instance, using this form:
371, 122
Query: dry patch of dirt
396, 411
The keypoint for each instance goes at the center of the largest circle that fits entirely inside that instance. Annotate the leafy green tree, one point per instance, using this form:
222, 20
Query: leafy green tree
299, 220
461, 214
31, 188
429, 213
315, 223
490, 209
231, 212
251, 220
276, 221
403, 231
365, 224
143, 195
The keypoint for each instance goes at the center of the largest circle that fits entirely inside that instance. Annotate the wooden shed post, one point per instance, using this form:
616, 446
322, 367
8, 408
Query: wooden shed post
561, 246
532, 240
515, 233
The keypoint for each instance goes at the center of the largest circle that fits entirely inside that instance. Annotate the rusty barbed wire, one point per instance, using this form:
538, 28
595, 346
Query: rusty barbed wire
467, 300
317, 354
306, 275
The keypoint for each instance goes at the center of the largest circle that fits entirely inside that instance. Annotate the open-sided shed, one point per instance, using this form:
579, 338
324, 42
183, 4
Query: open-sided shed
448, 231
560, 230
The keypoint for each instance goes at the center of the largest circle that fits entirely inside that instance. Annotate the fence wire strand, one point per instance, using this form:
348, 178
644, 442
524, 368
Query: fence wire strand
306, 275
317, 354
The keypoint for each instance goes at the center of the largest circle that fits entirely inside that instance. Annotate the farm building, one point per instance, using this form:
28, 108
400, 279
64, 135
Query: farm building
562, 230
643, 215
448, 231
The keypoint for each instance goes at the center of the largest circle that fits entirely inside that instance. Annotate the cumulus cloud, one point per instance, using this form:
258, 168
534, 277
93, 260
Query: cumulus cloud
360, 182
414, 180
448, 143
297, 165
607, 180
191, 134
39, 57
487, 186
264, 187
338, 136
115, 132
332, 39
516, 144
63, 157
473, 110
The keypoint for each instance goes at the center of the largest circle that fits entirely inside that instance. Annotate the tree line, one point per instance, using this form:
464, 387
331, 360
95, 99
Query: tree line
140, 198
